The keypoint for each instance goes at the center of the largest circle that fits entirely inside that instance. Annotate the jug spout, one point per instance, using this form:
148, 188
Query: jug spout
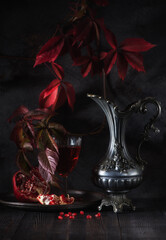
117, 157
118, 172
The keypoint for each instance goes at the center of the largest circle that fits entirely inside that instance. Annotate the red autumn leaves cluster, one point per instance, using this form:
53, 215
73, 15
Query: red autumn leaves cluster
34, 130
82, 33
128, 52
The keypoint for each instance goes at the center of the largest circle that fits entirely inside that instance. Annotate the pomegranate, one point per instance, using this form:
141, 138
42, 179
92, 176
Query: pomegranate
27, 188
46, 199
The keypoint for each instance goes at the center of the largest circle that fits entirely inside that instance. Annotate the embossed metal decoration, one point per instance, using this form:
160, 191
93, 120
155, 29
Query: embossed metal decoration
117, 172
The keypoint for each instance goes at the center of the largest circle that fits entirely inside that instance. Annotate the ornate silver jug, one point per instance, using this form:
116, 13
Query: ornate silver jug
117, 172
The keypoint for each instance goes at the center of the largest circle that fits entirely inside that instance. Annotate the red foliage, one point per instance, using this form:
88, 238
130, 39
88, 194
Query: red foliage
50, 51
56, 94
59, 71
87, 30
127, 52
55, 47
23, 130
89, 64
84, 28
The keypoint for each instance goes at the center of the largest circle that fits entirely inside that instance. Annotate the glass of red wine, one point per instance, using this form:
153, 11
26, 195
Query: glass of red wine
69, 149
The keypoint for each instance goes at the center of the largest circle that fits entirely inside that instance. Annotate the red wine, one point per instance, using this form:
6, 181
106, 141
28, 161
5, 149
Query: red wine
68, 158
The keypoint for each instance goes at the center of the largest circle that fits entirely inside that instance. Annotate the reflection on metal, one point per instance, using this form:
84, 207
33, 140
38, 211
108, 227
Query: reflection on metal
117, 201
118, 172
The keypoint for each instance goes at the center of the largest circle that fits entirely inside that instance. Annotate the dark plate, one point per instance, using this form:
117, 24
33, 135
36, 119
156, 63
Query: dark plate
83, 199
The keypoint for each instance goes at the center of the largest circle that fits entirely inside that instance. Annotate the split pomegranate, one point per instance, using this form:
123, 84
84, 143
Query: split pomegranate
47, 199
27, 188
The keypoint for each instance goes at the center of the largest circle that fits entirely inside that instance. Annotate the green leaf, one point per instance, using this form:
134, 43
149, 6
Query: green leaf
23, 162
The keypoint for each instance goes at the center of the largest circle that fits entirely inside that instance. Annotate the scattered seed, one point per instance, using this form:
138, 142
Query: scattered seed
66, 215
98, 215
60, 217
61, 213
70, 213
82, 212
88, 216
74, 214
71, 217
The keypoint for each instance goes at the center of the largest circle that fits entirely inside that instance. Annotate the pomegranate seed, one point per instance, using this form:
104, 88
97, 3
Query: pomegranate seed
52, 203
70, 213
66, 215
60, 217
74, 214
98, 215
61, 213
88, 216
71, 217
82, 212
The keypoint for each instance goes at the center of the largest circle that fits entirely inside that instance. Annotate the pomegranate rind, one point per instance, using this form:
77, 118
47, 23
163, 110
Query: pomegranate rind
21, 195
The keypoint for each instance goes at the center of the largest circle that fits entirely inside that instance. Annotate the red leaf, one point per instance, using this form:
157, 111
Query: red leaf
37, 114
86, 31
55, 94
103, 55
135, 60
136, 45
83, 32
111, 39
122, 66
70, 93
50, 51
20, 111
52, 84
100, 22
31, 129
50, 99
110, 60
49, 95
48, 161
59, 71
86, 69
81, 61
61, 98
75, 52
97, 31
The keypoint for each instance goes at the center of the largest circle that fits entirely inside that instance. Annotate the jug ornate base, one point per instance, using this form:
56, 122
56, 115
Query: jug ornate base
117, 201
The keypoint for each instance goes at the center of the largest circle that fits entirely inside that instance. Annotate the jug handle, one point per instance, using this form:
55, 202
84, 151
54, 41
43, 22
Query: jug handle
141, 107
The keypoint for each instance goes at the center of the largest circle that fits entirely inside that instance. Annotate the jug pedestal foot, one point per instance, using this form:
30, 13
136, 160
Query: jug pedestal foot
117, 201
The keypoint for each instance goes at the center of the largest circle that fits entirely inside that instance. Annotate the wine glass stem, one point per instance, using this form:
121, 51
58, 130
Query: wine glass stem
66, 185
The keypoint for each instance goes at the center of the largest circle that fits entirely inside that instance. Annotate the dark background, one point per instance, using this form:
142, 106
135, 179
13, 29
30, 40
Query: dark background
26, 26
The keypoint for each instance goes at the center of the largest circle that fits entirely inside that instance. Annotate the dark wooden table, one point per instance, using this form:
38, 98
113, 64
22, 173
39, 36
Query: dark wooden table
147, 222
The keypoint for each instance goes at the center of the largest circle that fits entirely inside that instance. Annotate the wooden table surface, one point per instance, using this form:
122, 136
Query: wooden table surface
147, 222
